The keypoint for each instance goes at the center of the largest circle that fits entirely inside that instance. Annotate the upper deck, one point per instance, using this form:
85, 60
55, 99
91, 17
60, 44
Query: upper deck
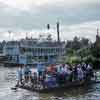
41, 44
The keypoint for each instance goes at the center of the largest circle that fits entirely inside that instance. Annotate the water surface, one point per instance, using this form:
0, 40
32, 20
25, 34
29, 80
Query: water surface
8, 80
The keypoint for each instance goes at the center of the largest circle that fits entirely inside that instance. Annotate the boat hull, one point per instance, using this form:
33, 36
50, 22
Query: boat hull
59, 88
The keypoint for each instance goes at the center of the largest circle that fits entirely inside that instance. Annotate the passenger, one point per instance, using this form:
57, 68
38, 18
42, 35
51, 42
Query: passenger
89, 68
42, 79
53, 69
19, 76
69, 75
61, 75
75, 73
58, 68
83, 66
67, 66
27, 73
66, 73
64, 68
50, 81
41, 69
34, 79
47, 80
80, 73
58, 72
89, 71
84, 69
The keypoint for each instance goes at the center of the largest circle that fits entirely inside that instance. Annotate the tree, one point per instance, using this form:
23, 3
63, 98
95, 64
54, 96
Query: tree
84, 42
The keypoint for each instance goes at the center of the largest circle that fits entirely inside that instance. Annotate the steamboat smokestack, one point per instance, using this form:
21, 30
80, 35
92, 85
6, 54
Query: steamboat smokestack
58, 33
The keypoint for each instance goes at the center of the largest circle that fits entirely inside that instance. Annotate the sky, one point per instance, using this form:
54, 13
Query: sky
76, 17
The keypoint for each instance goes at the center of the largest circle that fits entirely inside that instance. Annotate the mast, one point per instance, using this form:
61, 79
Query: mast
58, 33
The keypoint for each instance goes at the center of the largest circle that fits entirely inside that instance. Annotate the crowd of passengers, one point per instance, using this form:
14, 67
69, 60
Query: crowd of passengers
54, 75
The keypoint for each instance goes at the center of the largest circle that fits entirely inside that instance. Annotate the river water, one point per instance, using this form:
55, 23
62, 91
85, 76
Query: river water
8, 80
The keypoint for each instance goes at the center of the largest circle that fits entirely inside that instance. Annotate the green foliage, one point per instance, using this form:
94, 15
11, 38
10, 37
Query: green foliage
79, 50
77, 43
72, 59
89, 59
70, 52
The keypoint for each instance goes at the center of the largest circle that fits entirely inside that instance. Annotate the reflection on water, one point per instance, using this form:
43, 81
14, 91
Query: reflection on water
7, 80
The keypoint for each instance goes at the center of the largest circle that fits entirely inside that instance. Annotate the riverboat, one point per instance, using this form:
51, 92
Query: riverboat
31, 51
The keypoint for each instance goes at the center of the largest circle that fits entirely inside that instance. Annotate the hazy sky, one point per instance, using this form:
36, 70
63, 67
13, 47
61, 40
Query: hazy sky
77, 17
